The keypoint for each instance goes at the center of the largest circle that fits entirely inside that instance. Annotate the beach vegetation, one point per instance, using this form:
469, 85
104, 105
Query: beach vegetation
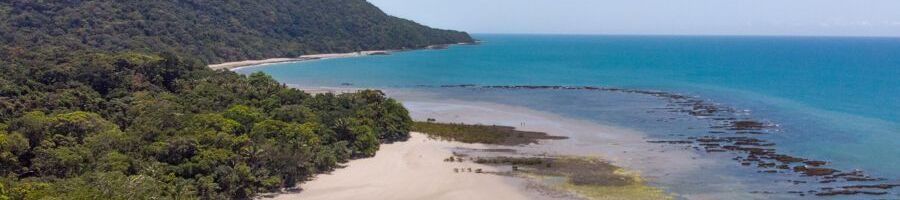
114, 99
588, 177
151, 133
515, 161
485, 134
117, 103
210, 31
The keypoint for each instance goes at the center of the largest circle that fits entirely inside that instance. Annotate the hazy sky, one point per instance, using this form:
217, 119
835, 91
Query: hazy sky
691, 17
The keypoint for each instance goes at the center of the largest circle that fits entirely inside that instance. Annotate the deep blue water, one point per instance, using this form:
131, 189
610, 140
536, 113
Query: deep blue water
835, 99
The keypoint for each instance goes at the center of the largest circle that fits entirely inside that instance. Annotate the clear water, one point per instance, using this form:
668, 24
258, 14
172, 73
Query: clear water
836, 99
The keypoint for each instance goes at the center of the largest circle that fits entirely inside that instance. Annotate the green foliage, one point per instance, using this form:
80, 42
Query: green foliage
213, 31
513, 160
295, 113
4, 195
12, 147
244, 115
30, 190
113, 99
115, 186
214, 123
365, 141
150, 140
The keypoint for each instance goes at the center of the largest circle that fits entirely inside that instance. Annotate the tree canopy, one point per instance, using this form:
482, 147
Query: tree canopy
113, 100
210, 30
161, 127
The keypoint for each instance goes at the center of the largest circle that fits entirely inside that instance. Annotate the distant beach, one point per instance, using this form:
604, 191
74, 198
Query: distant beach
246, 63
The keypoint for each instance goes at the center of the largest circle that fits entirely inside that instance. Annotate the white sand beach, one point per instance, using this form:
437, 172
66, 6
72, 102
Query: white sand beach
246, 63
323, 90
238, 64
414, 169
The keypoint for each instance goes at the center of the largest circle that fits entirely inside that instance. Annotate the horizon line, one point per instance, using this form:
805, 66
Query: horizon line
692, 35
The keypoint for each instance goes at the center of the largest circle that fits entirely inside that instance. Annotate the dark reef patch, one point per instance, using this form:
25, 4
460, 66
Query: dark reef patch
484, 134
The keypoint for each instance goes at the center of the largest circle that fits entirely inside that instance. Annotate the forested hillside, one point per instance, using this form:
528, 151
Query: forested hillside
213, 31
113, 100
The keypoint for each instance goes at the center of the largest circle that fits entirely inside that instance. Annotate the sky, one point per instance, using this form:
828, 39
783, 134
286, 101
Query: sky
656, 17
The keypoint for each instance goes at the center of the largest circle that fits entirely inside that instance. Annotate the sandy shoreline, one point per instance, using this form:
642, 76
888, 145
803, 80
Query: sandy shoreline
413, 170
660, 166
248, 63
323, 90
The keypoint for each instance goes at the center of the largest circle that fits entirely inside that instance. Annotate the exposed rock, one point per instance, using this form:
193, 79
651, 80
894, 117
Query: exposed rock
787, 159
672, 141
814, 171
815, 163
879, 186
747, 125
848, 192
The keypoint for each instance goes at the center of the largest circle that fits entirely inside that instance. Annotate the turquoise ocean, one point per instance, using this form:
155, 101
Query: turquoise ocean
835, 99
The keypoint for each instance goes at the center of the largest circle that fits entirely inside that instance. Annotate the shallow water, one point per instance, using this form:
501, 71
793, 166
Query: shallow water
594, 128
834, 99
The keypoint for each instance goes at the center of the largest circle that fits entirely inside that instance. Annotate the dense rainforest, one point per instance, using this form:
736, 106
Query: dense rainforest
213, 31
103, 99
